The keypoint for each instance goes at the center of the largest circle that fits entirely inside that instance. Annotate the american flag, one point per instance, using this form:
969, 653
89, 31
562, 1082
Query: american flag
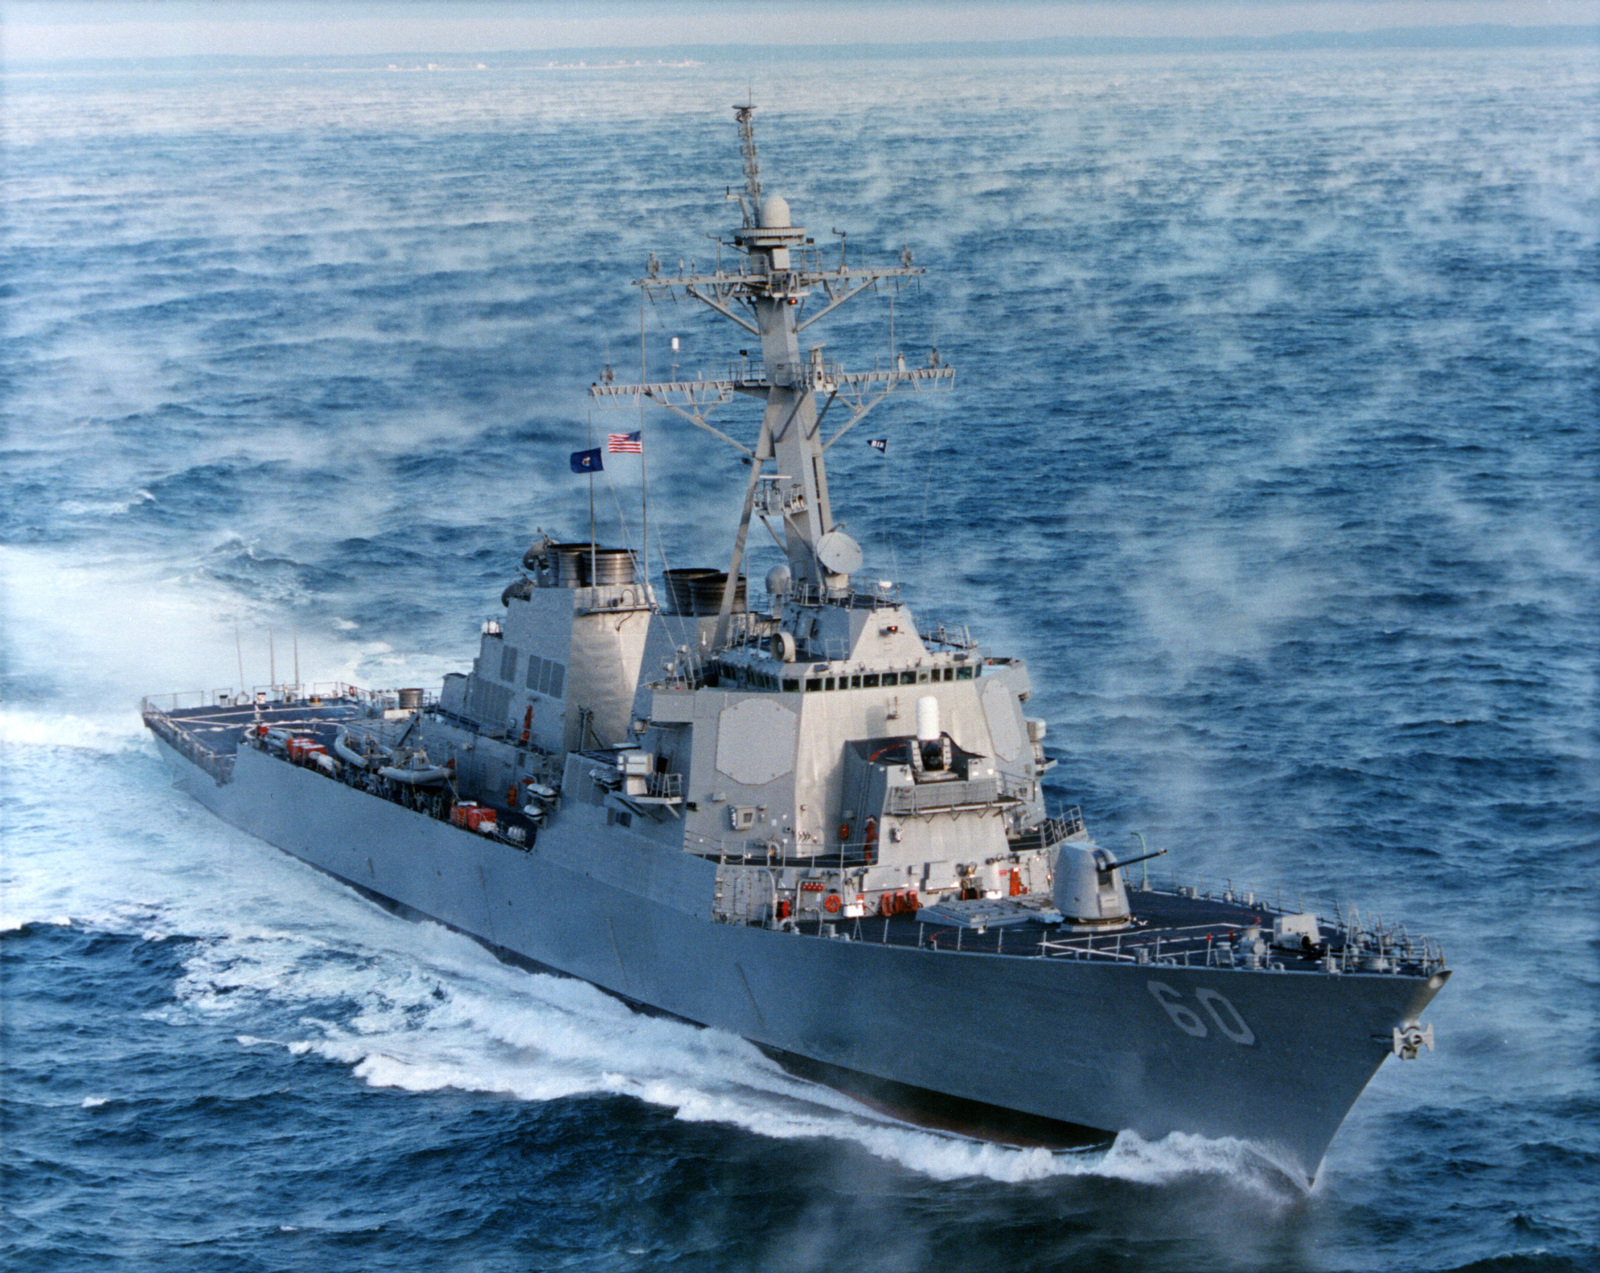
625, 443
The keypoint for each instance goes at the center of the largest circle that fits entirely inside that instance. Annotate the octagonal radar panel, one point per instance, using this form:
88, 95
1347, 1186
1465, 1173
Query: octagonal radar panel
838, 553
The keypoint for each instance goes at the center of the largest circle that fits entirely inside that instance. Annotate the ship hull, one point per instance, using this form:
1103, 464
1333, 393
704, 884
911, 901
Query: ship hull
1276, 1059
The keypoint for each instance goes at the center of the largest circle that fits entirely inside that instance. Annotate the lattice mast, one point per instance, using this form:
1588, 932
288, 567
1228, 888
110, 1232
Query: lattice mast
752, 170
767, 296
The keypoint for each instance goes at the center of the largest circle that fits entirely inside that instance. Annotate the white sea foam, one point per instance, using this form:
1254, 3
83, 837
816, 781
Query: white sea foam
104, 633
109, 734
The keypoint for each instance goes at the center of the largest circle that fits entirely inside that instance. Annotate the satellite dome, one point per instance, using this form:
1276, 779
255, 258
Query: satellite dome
774, 212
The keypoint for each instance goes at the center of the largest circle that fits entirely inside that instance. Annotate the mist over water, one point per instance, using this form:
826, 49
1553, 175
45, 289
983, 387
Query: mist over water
1273, 450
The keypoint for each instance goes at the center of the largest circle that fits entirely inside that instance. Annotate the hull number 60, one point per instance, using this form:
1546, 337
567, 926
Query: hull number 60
1222, 1013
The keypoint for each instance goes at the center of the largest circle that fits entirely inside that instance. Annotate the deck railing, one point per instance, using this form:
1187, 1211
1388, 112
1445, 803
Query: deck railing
218, 764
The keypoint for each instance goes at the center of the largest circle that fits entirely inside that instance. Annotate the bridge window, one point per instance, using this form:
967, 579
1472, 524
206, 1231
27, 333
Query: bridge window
963, 674
870, 681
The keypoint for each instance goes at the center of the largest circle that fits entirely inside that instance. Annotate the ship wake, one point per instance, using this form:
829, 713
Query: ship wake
442, 1014
284, 957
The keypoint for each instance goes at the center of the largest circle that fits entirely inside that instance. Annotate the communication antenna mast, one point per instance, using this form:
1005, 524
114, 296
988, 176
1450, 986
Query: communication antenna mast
752, 170
766, 298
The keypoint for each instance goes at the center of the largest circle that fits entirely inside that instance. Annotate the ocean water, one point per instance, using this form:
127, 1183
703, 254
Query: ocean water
1273, 449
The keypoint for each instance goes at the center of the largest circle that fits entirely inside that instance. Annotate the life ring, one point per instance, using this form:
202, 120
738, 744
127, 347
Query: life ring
831, 903
844, 832
511, 796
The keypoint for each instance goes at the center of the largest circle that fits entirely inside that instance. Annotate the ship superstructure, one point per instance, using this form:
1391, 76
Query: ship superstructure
808, 821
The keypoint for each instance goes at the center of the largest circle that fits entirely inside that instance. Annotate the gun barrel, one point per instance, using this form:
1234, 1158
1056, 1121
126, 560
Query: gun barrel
1143, 857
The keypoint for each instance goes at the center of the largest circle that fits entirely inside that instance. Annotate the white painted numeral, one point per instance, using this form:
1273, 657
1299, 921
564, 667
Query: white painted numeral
1217, 1005
1233, 1025
1182, 1015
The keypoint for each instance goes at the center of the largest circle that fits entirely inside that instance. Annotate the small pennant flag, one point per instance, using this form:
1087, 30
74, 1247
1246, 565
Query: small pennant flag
587, 461
625, 443
880, 445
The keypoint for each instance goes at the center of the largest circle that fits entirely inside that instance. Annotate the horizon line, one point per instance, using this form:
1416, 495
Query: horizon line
1461, 36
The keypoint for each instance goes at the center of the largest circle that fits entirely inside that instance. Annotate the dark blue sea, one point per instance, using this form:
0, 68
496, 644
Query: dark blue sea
1274, 449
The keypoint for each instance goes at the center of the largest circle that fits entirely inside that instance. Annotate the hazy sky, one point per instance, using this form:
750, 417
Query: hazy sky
31, 29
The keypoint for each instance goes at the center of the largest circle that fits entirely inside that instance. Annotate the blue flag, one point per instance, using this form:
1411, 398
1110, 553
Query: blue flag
587, 461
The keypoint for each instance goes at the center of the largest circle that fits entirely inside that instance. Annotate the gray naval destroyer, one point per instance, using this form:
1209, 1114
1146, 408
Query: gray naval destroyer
811, 822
